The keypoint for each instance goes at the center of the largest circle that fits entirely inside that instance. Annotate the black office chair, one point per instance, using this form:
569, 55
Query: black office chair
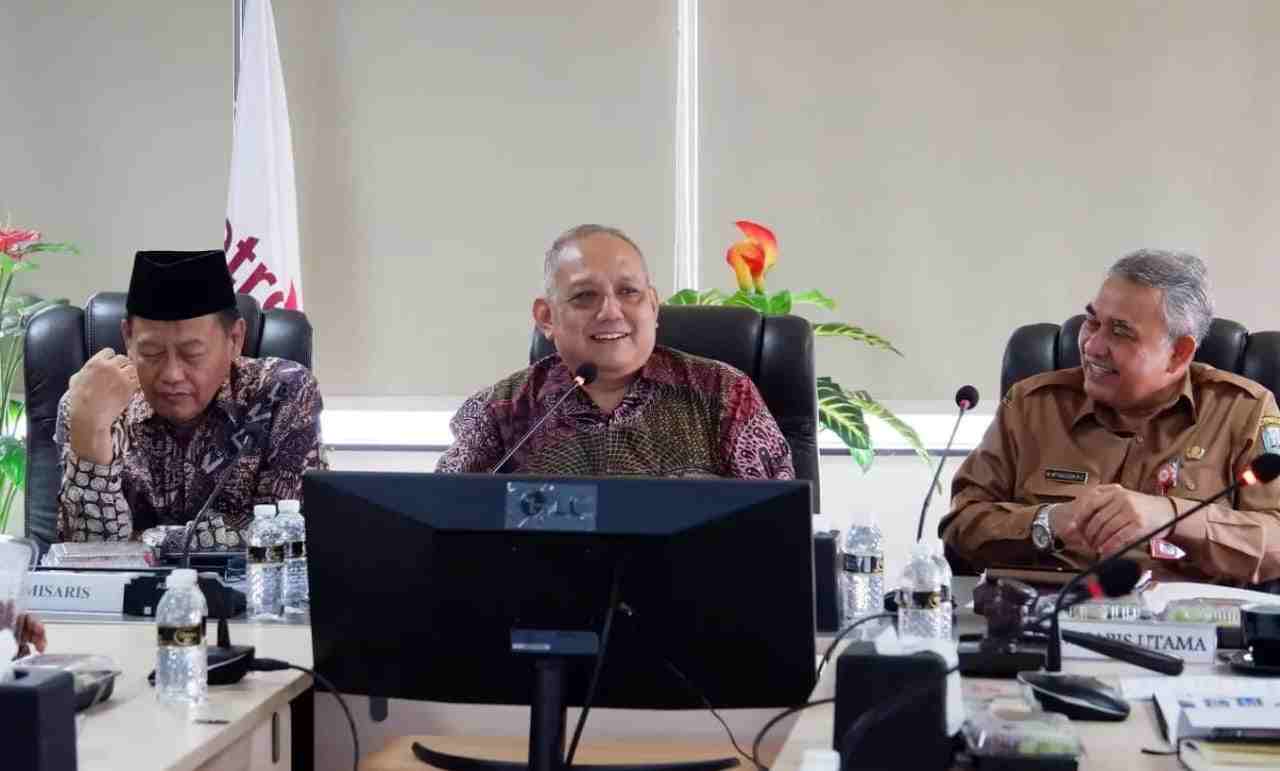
61, 339
776, 352
1037, 348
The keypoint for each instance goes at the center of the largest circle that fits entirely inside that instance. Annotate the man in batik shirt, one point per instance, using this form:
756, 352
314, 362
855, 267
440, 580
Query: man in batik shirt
146, 435
650, 411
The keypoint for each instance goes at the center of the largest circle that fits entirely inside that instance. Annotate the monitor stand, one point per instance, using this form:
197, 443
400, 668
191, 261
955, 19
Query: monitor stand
547, 718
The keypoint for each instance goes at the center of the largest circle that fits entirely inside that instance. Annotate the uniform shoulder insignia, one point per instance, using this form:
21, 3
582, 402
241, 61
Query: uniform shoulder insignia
1209, 374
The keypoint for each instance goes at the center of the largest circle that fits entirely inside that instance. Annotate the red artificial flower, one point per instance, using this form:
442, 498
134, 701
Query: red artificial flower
751, 258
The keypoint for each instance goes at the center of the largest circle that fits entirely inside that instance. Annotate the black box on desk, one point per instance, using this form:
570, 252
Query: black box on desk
38, 712
913, 734
826, 580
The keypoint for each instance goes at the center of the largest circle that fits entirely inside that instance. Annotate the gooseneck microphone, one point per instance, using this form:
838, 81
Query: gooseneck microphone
583, 376
966, 399
1263, 469
253, 434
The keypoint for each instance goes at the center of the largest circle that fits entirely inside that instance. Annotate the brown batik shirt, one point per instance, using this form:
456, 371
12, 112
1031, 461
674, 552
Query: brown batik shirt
682, 416
1050, 442
269, 405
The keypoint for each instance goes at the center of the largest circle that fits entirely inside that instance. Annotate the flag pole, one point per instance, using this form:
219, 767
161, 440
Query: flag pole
237, 24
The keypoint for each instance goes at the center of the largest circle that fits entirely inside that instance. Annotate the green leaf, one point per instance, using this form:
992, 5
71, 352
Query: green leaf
53, 246
814, 297
13, 461
683, 297
838, 413
780, 303
841, 329
711, 297
869, 406
744, 299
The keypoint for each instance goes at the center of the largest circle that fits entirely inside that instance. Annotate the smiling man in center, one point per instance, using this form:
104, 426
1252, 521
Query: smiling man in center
651, 410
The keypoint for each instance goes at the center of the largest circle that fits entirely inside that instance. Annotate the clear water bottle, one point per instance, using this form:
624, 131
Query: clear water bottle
181, 660
944, 567
265, 599
920, 608
297, 597
862, 574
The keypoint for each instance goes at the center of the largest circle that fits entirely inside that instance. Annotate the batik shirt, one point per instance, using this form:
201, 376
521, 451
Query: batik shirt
682, 416
269, 406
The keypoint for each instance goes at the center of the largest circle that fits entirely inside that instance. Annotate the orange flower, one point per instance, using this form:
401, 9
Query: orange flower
752, 257
14, 242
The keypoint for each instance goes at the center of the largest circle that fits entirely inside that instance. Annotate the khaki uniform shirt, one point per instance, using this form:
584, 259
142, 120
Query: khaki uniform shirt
1049, 442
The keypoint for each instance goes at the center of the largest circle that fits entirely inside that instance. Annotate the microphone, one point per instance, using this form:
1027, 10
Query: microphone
583, 376
1263, 469
966, 399
251, 433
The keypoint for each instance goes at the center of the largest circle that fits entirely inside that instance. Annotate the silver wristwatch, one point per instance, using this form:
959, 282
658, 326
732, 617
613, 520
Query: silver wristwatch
1042, 529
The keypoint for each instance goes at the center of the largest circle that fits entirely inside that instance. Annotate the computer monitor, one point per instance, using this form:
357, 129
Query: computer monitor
492, 589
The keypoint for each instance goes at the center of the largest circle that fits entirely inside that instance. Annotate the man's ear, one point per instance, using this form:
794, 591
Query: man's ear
236, 334
1184, 350
542, 316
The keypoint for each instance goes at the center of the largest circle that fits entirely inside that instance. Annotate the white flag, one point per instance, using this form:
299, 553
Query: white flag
262, 205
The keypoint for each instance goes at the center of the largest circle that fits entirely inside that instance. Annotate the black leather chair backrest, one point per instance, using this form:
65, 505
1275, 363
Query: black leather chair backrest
60, 339
776, 352
1037, 348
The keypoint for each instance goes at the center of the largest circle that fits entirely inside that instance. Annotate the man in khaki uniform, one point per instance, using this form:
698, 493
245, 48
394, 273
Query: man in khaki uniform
1079, 462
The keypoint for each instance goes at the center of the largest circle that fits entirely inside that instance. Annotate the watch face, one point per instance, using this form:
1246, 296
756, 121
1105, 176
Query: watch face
1040, 538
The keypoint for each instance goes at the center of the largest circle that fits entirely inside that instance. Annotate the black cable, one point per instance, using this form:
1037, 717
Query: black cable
689, 685
755, 746
599, 665
275, 665
706, 703
832, 647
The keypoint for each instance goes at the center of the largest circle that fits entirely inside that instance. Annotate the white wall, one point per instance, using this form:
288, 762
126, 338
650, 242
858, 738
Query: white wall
946, 171
949, 171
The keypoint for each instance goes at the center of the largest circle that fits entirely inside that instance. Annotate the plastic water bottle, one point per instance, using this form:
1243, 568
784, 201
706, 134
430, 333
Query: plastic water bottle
920, 606
266, 565
944, 567
862, 574
181, 660
297, 597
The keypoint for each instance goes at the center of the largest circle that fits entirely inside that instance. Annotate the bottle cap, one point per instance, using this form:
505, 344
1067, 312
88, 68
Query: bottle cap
264, 510
289, 505
181, 577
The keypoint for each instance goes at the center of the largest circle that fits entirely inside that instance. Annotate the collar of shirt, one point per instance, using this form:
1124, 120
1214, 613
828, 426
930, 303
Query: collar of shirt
1090, 408
559, 380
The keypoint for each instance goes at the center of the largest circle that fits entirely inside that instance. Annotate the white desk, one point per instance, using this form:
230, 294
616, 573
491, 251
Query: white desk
132, 730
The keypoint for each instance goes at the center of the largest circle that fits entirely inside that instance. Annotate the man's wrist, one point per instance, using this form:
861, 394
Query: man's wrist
1173, 530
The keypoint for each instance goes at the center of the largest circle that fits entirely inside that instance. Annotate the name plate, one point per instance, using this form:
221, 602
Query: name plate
1193, 643
79, 592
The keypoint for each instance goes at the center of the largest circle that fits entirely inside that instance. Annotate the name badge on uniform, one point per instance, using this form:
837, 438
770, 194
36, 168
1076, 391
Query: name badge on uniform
1066, 475
1271, 434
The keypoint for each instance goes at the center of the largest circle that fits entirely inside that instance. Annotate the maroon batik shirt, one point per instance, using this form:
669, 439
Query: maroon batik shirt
270, 405
683, 416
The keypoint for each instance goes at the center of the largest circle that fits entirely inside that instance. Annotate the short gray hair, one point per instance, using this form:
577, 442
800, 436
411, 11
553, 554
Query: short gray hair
1184, 279
551, 263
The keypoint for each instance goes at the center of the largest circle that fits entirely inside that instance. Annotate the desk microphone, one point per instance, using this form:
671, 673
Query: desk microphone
227, 663
252, 434
583, 376
1263, 469
966, 399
